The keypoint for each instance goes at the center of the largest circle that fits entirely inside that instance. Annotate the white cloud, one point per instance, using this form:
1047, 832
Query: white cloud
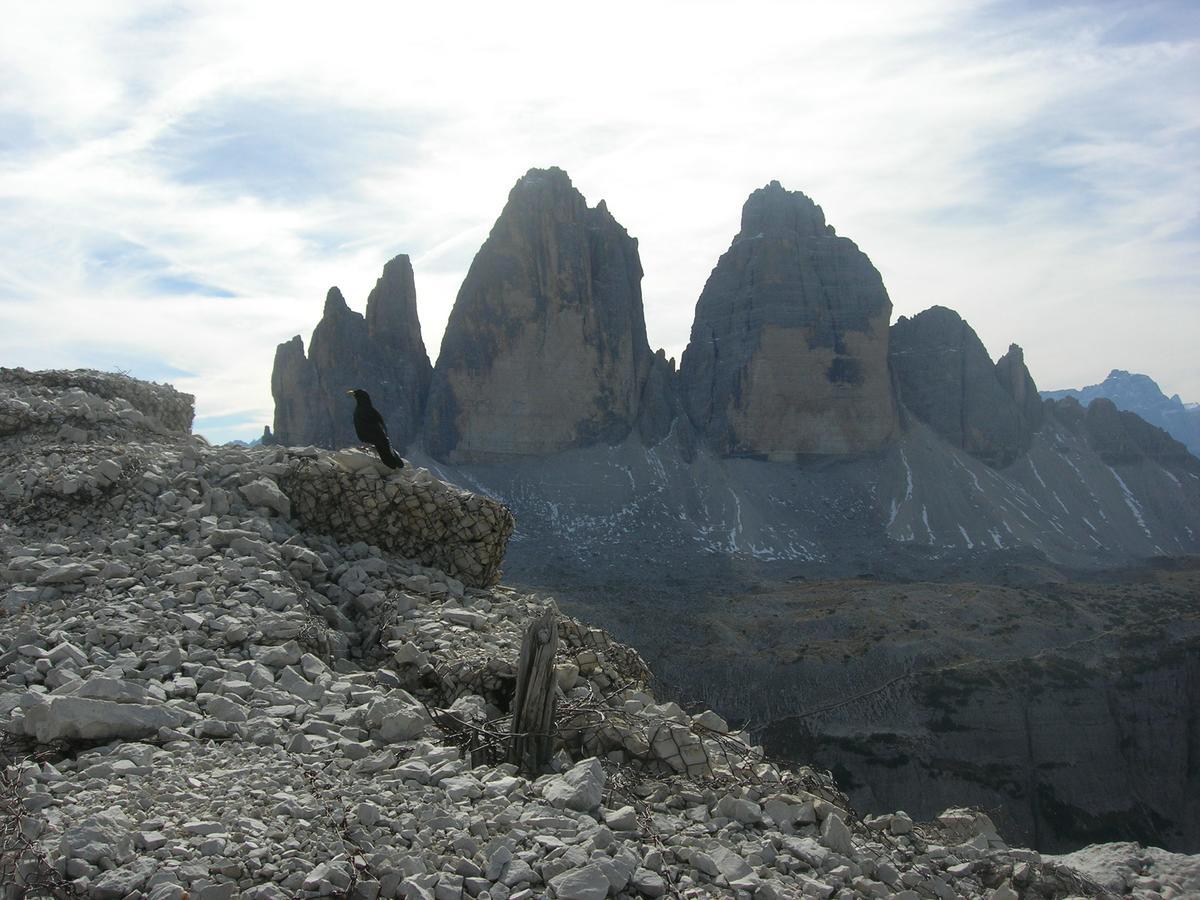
1031, 167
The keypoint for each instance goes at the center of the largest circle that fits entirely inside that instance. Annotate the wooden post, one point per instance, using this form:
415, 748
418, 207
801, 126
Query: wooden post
533, 706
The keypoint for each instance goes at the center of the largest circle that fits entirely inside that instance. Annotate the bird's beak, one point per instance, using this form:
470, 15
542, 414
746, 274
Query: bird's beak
349, 392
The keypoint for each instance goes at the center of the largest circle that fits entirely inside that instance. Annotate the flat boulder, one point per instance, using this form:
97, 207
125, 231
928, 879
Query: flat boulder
75, 718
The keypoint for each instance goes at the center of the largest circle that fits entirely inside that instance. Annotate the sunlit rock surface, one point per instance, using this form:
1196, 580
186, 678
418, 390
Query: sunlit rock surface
546, 345
788, 351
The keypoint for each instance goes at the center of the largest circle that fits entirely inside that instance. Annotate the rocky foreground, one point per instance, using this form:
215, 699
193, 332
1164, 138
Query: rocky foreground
203, 697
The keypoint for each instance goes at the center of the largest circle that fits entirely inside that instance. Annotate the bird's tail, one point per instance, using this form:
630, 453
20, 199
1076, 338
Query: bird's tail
390, 456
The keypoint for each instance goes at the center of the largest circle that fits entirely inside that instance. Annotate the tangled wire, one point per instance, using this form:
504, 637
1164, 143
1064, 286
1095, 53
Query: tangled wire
25, 871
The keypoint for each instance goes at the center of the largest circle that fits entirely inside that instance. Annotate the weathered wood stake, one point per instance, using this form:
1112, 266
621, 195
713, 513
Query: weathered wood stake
533, 707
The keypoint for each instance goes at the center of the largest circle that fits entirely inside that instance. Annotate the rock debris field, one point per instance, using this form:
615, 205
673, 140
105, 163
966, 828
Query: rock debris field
264, 673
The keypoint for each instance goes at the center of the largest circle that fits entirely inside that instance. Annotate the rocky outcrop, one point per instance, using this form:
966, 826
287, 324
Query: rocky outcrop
1119, 436
662, 411
946, 378
87, 401
788, 351
381, 352
301, 416
1136, 393
545, 349
353, 496
1123, 868
1015, 379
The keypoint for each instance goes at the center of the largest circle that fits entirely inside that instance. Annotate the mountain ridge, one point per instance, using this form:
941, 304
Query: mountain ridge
1140, 394
545, 361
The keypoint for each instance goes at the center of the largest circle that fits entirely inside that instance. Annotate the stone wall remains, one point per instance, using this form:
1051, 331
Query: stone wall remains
351, 496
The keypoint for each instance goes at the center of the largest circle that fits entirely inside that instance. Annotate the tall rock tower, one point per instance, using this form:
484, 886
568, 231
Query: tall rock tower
947, 380
382, 353
789, 349
545, 349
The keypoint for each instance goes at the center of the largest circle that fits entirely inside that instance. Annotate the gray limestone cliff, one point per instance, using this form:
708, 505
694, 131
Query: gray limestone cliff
1015, 379
382, 352
1067, 710
662, 412
946, 378
545, 349
788, 351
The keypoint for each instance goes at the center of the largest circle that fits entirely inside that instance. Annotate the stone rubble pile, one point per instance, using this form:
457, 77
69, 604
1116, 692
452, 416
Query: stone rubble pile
90, 400
1126, 868
200, 697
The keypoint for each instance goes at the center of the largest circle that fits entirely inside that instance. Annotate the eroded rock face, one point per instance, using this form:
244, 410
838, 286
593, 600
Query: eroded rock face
1015, 379
662, 408
381, 352
946, 378
546, 346
788, 352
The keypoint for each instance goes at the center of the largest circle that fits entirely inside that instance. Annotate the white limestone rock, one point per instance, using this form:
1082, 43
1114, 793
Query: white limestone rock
580, 788
265, 492
116, 884
585, 883
623, 819
106, 835
82, 719
836, 836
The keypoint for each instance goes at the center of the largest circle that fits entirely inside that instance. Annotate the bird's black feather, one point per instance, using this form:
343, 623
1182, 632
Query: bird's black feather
371, 429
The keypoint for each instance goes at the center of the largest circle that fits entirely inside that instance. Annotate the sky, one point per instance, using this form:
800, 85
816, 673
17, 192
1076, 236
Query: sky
180, 184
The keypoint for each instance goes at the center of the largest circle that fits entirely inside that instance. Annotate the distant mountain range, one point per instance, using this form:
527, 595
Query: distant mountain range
1141, 394
799, 428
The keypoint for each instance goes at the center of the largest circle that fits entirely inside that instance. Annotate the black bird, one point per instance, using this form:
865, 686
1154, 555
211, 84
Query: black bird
370, 428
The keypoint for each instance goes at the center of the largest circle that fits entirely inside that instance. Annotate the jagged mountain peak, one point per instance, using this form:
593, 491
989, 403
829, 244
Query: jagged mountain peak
392, 307
546, 347
935, 316
542, 191
775, 210
548, 195
947, 379
542, 177
788, 351
1120, 379
335, 303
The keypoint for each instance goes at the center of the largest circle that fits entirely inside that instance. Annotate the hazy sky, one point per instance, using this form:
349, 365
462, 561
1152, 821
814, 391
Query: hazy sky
180, 184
